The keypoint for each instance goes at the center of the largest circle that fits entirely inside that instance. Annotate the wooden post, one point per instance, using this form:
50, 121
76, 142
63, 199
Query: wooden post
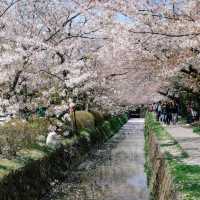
75, 123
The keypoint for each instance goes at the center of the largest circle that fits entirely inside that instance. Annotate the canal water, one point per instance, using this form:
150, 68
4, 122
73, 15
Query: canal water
113, 172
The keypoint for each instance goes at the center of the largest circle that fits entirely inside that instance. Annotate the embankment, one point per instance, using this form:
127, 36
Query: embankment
30, 175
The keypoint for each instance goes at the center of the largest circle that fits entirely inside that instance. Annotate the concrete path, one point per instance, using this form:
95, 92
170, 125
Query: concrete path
189, 141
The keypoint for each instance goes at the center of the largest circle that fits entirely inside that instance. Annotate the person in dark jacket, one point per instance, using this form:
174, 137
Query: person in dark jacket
168, 113
158, 110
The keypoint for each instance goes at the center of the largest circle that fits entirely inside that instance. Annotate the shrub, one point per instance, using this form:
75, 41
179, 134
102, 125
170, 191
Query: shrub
124, 118
17, 134
84, 135
98, 116
115, 124
107, 116
55, 98
121, 121
83, 119
107, 128
39, 125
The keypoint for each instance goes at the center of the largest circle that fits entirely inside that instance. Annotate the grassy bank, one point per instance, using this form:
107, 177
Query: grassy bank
31, 172
186, 178
196, 128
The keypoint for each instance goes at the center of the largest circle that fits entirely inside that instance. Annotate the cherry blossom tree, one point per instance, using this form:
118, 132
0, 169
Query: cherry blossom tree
46, 45
100, 53
158, 39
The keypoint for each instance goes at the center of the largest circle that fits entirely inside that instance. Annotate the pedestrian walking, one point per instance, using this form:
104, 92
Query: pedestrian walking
189, 114
158, 111
174, 113
163, 113
168, 113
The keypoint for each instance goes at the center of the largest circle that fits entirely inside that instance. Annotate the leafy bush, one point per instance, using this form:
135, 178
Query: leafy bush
115, 124
107, 128
55, 98
107, 116
124, 118
83, 119
84, 135
99, 118
17, 134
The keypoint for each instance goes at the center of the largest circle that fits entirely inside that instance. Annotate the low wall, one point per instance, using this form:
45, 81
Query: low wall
160, 181
30, 176
159, 149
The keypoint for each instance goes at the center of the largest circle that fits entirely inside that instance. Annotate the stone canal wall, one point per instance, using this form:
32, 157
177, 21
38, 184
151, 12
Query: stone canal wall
160, 179
36, 170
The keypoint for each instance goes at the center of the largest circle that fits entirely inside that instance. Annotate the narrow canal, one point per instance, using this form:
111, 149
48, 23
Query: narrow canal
113, 172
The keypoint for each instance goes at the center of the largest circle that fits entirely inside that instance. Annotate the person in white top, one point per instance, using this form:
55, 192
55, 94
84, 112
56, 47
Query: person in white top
53, 139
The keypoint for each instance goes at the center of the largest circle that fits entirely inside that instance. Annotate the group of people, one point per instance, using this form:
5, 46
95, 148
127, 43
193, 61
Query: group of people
166, 112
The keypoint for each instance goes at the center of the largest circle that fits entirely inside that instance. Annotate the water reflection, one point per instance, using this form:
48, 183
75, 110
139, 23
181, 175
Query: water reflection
114, 172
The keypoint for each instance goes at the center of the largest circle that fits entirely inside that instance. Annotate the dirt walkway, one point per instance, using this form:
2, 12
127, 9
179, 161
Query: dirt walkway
189, 141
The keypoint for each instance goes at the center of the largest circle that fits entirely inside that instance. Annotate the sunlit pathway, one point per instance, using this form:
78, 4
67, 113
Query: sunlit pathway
114, 172
189, 141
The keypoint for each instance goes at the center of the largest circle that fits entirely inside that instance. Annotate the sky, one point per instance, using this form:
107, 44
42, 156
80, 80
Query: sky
122, 18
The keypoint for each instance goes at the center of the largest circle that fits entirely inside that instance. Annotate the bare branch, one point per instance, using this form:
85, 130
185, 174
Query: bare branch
63, 25
176, 17
114, 75
12, 4
165, 34
61, 56
191, 71
16, 79
54, 75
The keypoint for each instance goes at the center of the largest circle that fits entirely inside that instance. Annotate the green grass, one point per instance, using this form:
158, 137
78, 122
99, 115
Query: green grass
186, 177
196, 129
151, 125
